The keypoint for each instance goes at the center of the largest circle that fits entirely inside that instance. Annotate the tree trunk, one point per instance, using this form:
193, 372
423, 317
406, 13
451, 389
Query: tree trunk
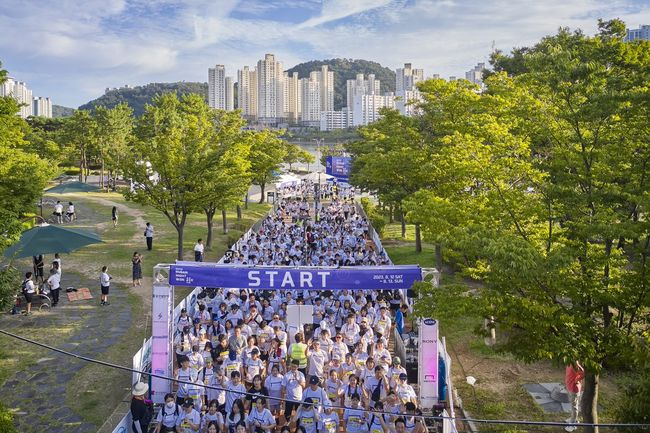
418, 239
391, 216
246, 201
589, 402
238, 213
439, 258
180, 228
224, 221
210, 219
81, 168
262, 188
101, 176
403, 220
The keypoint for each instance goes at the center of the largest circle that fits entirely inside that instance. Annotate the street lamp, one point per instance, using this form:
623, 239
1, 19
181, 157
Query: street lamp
317, 202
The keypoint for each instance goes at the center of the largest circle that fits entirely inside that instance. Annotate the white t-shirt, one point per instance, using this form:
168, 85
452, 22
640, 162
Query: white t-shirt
54, 280
58, 208
168, 416
29, 287
264, 417
104, 279
193, 417
292, 382
199, 248
71, 208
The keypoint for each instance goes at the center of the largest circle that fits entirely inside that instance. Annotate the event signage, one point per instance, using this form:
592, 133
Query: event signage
338, 166
306, 278
161, 338
428, 362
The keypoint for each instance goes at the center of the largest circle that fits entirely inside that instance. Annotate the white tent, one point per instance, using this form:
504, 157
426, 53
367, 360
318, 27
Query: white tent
286, 180
314, 177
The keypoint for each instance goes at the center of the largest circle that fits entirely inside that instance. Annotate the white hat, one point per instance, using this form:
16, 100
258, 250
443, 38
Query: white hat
324, 325
140, 388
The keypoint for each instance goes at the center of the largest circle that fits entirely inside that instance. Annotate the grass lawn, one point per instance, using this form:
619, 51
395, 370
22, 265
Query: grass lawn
94, 391
498, 392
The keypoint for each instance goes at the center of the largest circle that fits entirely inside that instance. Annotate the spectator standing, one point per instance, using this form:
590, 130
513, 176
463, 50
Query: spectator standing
39, 265
54, 283
148, 234
29, 290
57, 259
573, 376
198, 251
114, 216
70, 212
105, 283
58, 212
141, 413
136, 262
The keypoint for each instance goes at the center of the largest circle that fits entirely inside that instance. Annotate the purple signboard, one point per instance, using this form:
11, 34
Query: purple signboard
338, 166
310, 278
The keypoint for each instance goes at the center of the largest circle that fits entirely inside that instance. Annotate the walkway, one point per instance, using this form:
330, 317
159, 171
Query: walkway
37, 394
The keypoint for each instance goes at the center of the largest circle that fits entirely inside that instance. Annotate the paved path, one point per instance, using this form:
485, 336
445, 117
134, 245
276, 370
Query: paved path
37, 394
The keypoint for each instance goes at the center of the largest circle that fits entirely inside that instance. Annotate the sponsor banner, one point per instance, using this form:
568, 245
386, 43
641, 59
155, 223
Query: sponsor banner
310, 278
338, 166
161, 338
428, 369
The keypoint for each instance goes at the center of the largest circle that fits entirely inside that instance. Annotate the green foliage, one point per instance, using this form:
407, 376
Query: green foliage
138, 97
347, 69
10, 280
337, 149
376, 217
113, 132
634, 406
6, 420
295, 153
266, 154
59, 111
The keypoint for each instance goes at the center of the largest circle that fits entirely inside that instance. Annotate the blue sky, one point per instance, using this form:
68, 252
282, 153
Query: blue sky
70, 50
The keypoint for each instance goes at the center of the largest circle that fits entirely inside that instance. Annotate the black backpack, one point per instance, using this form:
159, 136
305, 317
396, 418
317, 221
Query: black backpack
23, 286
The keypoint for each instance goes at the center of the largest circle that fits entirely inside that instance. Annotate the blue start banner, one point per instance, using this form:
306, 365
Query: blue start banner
338, 166
309, 278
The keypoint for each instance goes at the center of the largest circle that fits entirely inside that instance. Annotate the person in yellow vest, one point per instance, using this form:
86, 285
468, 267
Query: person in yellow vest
298, 351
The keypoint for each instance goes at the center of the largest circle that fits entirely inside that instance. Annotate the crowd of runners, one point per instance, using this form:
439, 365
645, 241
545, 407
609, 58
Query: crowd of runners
242, 368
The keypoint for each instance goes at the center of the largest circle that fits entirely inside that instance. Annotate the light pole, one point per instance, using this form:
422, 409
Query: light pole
317, 202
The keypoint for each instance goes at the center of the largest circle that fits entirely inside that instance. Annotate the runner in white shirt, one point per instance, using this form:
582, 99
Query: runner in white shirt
105, 283
198, 251
260, 417
70, 213
58, 212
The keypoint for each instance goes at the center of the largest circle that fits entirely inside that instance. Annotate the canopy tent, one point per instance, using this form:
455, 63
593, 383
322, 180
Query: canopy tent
286, 180
49, 239
74, 186
318, 177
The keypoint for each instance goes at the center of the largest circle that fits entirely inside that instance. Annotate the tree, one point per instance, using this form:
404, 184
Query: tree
228, 179
295, 154
113, 131
552, 166
79, 136
23, 175
172, 150
267, 153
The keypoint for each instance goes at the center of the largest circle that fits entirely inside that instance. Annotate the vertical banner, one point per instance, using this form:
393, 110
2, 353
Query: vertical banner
428, 369
161, 340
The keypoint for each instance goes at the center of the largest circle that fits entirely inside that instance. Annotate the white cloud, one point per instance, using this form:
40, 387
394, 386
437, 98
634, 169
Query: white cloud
72, 50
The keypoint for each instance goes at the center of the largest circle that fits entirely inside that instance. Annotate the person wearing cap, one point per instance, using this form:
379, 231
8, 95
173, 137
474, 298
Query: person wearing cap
354, 416
307, 417
395, 370
167, 415
314, 392
260, 419
233, 363
292, 388
329, 420
317, 359
141, 412
404, 391
184, 377
189, 420
184, 320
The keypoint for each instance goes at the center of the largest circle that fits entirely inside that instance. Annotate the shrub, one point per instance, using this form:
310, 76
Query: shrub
375, 216
233, 236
